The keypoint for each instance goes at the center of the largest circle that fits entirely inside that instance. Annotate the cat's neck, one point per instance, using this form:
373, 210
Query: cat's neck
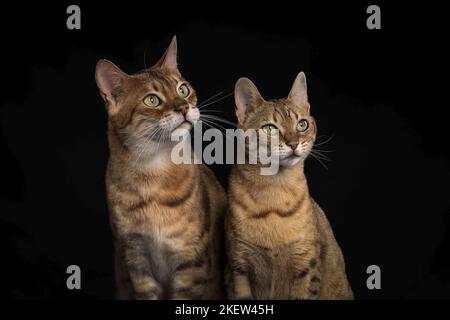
286, 176
157, 164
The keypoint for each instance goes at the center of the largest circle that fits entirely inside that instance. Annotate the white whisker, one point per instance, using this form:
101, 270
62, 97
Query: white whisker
320, 161
213, 117
215, 101
323, 142
210, 98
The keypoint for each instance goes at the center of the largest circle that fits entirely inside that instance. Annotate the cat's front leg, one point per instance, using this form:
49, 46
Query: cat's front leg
143, 283
307, 281
238, 282
240, 285
190, 279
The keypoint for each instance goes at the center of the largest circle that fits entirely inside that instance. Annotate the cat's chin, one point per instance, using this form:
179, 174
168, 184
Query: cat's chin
290, 161
185, 125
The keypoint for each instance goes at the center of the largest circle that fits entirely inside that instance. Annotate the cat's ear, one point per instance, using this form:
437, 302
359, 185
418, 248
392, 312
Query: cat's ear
169, 60
247, 98
298, 94
110, 80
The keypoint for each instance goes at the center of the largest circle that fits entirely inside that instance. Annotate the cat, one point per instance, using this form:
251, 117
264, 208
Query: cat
279, 242
166, 219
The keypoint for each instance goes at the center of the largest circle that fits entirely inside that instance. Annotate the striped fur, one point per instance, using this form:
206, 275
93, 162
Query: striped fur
279, 242
166, 219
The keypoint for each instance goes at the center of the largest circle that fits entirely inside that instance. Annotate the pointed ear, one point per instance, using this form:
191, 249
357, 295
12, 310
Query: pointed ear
110, 80
298, 93
169, 59
247, 98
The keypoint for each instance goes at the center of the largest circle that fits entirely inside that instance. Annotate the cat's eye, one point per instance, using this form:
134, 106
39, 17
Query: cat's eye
152, 101
183, 91
269, 129
302, 125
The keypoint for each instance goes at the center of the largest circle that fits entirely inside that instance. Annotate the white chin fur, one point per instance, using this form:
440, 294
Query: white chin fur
172, 122
290, 161
290, 158
185, 126
193, 115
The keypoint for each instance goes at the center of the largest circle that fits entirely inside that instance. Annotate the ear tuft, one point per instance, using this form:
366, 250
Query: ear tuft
247, 98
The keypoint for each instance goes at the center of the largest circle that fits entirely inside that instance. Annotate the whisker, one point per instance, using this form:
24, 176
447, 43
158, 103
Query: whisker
318, 152
146, 142
322, 150
213, 117
207, 110
321, 156
323, 142
217, 94
320, 161
215, 101
142, 132
205, 122
214, 125
143, 146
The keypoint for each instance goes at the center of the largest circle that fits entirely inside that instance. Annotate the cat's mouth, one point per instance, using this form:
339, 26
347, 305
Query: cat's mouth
293, 155
186, 124
290, 159
188, 120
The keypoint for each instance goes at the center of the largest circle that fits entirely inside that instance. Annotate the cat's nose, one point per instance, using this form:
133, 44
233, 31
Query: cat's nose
183, 108
293, 145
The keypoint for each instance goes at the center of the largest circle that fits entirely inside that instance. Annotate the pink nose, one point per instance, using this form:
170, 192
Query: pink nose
183, 109
293, 145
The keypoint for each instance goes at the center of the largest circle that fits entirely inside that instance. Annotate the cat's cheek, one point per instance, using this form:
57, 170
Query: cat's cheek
193, 115
173, 122
298, 152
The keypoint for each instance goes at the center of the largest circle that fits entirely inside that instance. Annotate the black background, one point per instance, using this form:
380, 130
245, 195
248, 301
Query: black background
374, 91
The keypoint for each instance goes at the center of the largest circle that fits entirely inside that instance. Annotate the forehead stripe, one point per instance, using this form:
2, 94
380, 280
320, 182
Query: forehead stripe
280, 113
156, 86
175, 80
275, 117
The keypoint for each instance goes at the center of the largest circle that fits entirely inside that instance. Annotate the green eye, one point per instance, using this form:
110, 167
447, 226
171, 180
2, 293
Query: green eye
302, 125
183, 91
152, 101
269, 129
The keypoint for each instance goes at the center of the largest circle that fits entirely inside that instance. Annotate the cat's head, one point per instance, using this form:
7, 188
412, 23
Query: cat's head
146, 107
288, 119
